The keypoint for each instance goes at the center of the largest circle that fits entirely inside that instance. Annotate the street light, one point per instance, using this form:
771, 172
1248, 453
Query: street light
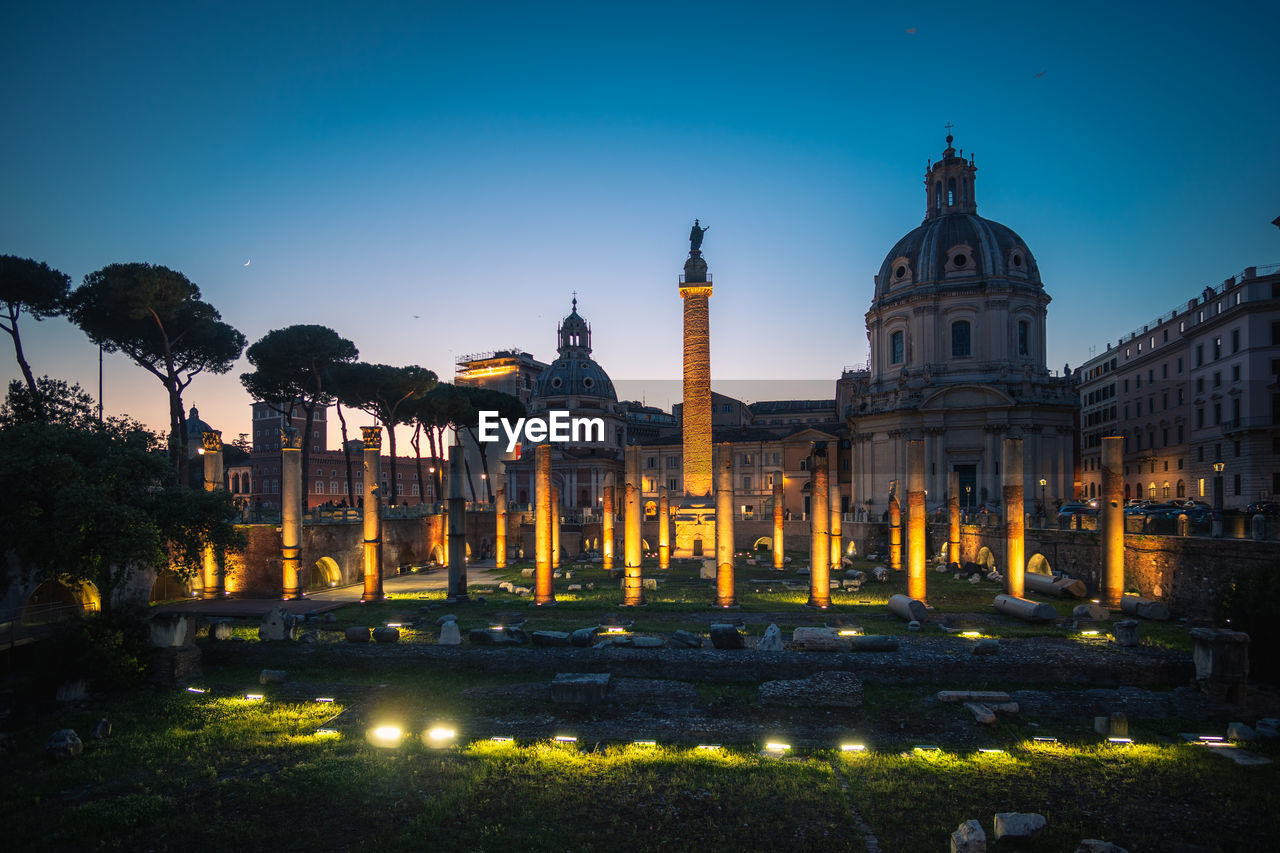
1044, 508
1218, 467
968, 497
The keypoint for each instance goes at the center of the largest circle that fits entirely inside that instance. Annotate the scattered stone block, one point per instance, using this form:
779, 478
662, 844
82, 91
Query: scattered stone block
272, 676
584, 637
1221, 659
981, 713
816, 639
172, 630
1240, 732
647, 642
278, 624
771, 641
650, 584
831, 689
575, 587
64, 743
707, 571
101, 730
331, 618
913, 625
969, 837
526, 573
1092, 612
357, 634
985, 696
726, 637
855, 575
309, 637
522, 590
880, 573
987, 646
1268, 727
220, 629
910, 609
1018, 825
386, 635
72, 691
1024, 609
557, 574
448, 617
975, 579
580, 688
874, 643
550, 638
1126, 632
1094, 845
685, 640
175, 667
1144, 608
1057, 587
1114, 725
506, 586
450, 634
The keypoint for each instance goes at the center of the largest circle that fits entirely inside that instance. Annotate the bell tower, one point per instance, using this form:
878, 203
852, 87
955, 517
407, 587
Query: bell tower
949, 184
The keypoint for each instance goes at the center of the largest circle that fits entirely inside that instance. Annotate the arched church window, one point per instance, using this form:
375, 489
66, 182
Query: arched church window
1024, 337
960, 339
1182, 489
951, 191
937, 195
897, 348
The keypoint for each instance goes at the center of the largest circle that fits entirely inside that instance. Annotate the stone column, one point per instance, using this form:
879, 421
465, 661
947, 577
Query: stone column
916, 550
779, 557
500, 530
664, 529
555, 527
895, 530
212, 450
291, 509
457, 526
371, 514
953, 517
632, 586
819, 517
1111, 521
542, 593
837, 537
606, 522
1014, 517
696, 415
724, 525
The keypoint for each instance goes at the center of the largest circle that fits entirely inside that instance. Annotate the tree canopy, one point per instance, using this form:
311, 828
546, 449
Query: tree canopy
155, 316
381, 390
41, 291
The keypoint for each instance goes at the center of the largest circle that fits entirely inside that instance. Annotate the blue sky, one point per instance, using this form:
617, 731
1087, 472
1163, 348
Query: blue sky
474, 163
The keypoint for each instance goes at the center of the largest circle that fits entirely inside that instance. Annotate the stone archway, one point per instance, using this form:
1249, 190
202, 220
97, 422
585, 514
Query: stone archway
986, 558
59, 598
764, 543
325, 573
438, 555
1038, 563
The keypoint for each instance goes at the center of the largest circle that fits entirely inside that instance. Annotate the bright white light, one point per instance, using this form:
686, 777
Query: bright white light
970, 633
440, 735
565, 739
386, 736
324, 698
777, 747
644, 743
1045, 739
711, 746
327, 732
853, 747
992, 751
501, 739
850, 632
253, 697
1120, 740
926, 747
393, 625
196, 689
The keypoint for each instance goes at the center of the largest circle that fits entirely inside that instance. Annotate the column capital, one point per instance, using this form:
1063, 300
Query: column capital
290, 439
211, 441
372, 437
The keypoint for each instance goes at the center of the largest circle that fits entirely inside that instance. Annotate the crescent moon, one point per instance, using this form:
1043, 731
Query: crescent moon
246, 263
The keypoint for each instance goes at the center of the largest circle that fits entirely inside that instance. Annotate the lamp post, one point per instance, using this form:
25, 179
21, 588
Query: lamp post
968, 498
1044, 507
1218, 467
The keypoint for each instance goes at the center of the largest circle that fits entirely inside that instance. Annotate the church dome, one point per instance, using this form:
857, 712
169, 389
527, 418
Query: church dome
575, 373
954, 246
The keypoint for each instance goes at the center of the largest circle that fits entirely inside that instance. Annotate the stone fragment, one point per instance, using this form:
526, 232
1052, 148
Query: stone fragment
584, 637
1115, 724
969, 837
526, 573
331, 617
102, 730
830, 689
685, 640
907, 608
650, 584
855, 575
975, 579
726, 637
987, 646
574, 587
220, 630
985, 696
506, 586
1240, 732
880, 573
386, 635
1126, 632
913, 625
557, 574
309, 637
72, 691
580, 688
813, 639
874, 643
1018, 825
1057, 587
357, 634
1144, 608
1024, 609
550, 638
1094, 845
172, 630
940, 568
1093, 612
771, 641
272, 676
450, 634
522, 590
64, 743
278, 624
448, 617
981, 713
647, 642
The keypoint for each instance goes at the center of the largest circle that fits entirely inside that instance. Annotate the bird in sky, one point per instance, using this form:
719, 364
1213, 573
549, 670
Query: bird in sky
1042, 73
911, 31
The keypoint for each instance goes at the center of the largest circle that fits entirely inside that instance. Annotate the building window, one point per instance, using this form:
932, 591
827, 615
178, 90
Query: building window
651, 462
960, 345
1217, 378
896, 348
1235, 373
1199, 355
1024, 338
1235, 340
746, 483
1200, 485
672, 484
1235, 485
746, 459
1182, 489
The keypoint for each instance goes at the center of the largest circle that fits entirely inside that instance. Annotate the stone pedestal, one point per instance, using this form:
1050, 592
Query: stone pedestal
291, 510
1221, 659
724, 525
457, 526
819, 518
372, 514
1014, 518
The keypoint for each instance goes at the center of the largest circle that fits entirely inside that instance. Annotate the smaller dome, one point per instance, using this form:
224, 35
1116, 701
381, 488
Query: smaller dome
196, 428
575, 373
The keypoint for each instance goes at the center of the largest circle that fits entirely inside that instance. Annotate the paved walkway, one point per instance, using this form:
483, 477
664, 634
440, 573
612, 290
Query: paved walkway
320, 600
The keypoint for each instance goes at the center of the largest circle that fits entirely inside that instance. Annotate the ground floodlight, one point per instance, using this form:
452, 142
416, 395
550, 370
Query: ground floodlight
853, 747
439, 737
253, 697
386, 736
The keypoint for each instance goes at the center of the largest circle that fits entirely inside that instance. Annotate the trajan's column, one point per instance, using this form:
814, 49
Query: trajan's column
695, 519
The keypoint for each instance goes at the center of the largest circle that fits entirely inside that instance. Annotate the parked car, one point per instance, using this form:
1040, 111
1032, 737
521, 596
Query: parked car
1267, 508
1066, 511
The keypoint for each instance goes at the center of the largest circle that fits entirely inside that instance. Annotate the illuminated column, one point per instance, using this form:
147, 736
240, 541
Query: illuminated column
778, 556
372, 514
696, 428
1112, 521
457, 526
724, 525
632, 587
291, 509
819, 517
953, 517
664, 529
542, 593
212, 450
915, 520
833, 473
1013, 517
500, 530
555, 527
895, 529
606, 521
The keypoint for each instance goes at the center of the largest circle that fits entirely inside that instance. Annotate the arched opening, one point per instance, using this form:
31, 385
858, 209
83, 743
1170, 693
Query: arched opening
437, 555
1039, 564
59, 599
650, 510
764, 543
951, 191
644, 544
169, 587
1182, 489
986, 558
1151, 490
325, 573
